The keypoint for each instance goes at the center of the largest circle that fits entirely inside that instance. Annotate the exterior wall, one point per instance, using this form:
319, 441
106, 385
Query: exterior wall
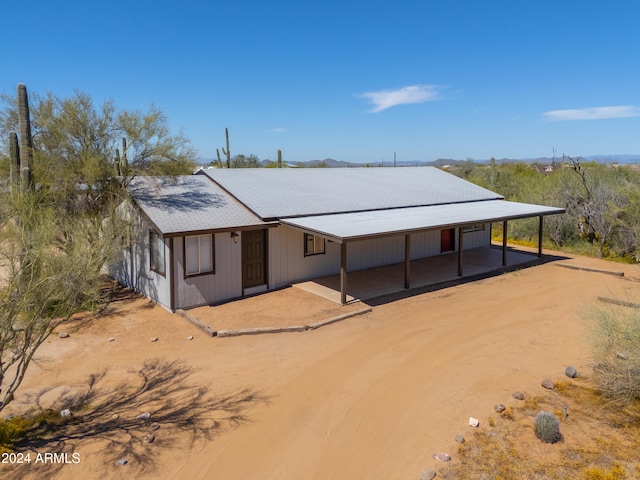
286, 260
373, 253
288, 264
133, 268
481, 238
424, 244
205, 289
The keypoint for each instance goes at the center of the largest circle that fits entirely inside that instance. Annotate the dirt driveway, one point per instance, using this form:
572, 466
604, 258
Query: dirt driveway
371, 397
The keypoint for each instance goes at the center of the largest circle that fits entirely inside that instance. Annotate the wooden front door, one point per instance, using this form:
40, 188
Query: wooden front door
447, 240
253, 258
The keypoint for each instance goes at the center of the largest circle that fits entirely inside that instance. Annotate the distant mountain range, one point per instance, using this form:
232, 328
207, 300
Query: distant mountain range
332, 163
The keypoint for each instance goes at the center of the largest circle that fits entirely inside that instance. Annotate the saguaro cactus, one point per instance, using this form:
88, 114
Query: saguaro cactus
279, 158
227, 152
26, 142
14, 160
219, 159
124, 163
118, 163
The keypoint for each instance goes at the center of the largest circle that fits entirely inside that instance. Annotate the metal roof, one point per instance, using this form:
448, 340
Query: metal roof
292, 192
346, 227
189, 204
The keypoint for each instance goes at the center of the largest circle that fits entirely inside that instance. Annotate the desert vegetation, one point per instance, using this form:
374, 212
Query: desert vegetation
602, 204
586, 428
65, 173
62, 180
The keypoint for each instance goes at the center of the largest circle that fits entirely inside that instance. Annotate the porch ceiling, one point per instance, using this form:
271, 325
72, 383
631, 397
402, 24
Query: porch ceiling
349, 227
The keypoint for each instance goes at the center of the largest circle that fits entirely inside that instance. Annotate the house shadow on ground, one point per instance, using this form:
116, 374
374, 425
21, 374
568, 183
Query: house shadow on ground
432, 287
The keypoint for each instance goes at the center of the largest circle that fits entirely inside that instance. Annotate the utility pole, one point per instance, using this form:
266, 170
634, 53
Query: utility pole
394, 158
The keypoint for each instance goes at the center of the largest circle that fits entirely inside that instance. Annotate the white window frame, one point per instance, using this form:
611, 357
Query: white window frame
202, 268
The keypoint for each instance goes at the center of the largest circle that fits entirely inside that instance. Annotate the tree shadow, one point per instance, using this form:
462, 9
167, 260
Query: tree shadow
186, 194
136, 419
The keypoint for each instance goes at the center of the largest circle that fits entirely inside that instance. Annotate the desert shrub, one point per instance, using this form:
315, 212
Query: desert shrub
616, 472
615, 335
34, 423
11, 431
547, 427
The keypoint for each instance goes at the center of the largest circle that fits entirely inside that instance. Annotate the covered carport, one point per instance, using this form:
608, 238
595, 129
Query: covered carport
345, 228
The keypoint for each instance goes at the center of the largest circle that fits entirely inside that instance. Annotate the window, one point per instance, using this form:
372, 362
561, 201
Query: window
313, 245
476, 227
198, 254
156, 252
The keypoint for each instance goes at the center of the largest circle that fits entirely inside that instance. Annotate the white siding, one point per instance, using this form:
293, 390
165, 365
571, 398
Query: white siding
287, 263
425, 244
205, 289
373, 253
133, 268
481, 238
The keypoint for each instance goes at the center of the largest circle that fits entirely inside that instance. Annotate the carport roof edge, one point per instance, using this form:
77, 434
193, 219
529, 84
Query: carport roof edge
349, 227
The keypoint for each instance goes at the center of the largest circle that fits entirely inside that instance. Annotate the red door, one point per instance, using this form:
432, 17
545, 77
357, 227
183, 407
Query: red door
447, 240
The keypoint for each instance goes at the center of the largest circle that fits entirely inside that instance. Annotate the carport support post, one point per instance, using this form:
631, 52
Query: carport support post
460, 248
540, 236
343, 273
407, 261
504, 243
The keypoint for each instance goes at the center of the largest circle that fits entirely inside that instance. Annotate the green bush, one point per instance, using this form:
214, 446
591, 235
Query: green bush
33, 424
11, 431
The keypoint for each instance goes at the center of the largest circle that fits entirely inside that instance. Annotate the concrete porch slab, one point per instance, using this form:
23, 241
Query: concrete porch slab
380, 281
323, 291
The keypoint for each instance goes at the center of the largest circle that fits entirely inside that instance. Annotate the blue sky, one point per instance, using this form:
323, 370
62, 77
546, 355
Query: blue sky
350, 80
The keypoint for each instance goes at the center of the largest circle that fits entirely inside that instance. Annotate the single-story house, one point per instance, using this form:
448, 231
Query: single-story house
227, 233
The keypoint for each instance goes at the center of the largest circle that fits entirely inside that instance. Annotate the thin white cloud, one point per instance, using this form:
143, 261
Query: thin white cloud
277, 130
595, 113
384, 99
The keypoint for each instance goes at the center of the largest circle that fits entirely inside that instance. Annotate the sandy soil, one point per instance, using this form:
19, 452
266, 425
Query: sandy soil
372, 397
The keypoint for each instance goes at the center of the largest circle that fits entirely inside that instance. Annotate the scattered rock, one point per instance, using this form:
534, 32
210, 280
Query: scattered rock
149, 438
154, 426
115, 416
518, 395
499, 408
9, 417
459, 438
473, 422
428, 474
112, 339
65, 413
144, 416
190, 337
442, 457
621, 355
63, 335
548, 384
122, 461
154, 339
571, 372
